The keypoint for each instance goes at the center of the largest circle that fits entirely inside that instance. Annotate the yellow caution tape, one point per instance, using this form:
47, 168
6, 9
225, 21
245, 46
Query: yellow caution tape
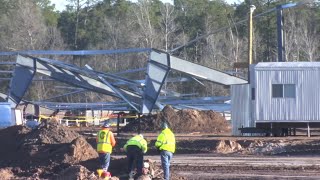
84, 118
76, 120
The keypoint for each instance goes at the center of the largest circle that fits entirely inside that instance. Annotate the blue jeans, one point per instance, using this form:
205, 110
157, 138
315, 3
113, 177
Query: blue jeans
104, 159
165, 163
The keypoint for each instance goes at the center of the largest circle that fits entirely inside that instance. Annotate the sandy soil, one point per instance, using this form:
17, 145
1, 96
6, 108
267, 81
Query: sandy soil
207, 166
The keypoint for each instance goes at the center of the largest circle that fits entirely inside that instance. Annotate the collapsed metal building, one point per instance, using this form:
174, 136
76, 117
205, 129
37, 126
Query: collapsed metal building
141, 96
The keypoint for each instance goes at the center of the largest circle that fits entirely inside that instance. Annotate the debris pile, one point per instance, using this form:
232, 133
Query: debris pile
259, 147
182, 121
228, 146
76, 172
118, 166
256, 147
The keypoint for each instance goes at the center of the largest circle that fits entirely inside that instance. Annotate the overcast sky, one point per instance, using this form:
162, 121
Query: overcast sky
60, 4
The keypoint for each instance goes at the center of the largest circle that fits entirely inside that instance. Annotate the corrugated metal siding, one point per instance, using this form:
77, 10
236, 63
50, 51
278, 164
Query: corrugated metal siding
287, 65
304, 108
240, 108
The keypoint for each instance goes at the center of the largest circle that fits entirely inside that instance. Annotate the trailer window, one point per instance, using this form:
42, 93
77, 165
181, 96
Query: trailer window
283, 90
277, 90
289, 90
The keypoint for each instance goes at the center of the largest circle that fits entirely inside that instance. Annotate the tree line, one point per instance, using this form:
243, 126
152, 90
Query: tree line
120, 24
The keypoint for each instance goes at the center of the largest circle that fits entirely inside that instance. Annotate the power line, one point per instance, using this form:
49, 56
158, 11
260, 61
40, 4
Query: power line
289, 5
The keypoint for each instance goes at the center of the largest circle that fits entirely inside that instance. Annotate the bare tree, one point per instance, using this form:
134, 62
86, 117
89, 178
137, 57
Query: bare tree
309, 40
302, 40
142, 13
292, 44
168, 25
24, 27
235, 42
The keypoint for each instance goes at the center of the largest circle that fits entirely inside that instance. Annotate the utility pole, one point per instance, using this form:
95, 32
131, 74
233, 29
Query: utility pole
250, 37
280, 32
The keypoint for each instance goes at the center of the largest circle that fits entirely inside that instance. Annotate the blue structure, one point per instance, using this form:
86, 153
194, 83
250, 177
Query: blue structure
6, 119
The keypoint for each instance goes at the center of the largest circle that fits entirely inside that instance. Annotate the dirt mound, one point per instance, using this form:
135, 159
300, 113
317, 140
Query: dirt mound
44, 151
51, 142
51, 132
183, 121
76, 172
79, 150
10, 137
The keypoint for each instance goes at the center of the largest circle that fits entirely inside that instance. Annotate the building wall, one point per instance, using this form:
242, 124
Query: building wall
240, 108
305, 107
252, 83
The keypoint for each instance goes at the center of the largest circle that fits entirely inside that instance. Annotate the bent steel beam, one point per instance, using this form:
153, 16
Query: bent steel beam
203, 72
92, 75
91, 72
159, 66
71, 75
67, 76
3, 97
119, 93
21, 80
157, 71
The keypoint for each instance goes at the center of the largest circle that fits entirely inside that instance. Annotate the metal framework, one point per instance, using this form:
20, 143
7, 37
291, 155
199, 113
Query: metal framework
141, 96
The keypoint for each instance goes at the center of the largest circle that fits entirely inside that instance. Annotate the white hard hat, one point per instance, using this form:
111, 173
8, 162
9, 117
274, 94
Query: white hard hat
146, 165
141, 135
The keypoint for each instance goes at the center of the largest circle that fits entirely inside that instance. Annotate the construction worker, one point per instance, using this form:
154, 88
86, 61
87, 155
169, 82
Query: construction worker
105, 142
135, 148
166, 144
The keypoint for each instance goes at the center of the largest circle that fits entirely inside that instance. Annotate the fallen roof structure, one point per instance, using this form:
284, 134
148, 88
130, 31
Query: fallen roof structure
140, 96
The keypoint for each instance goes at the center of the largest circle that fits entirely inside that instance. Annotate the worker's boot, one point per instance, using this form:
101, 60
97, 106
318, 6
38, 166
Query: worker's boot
106, 175
131, 175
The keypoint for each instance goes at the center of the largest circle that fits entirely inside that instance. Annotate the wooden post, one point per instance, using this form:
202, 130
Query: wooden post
118, 124
139, 125
308, 130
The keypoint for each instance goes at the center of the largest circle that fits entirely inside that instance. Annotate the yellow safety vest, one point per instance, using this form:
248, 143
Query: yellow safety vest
137, 141
166, 141
104, 144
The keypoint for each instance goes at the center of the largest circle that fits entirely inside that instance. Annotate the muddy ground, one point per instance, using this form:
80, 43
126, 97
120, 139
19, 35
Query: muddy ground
53, 151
